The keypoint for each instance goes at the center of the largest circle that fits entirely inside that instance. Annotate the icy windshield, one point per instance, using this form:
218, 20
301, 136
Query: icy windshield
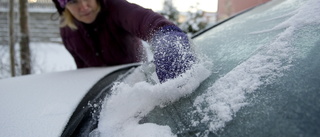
253, 51
243, 56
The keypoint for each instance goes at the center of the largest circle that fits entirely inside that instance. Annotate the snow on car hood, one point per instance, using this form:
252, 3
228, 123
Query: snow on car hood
41, 105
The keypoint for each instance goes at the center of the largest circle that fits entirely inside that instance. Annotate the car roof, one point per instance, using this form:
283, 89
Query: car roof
41, 105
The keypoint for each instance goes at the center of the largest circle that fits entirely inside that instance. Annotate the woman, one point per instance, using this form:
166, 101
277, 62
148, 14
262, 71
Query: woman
109, 32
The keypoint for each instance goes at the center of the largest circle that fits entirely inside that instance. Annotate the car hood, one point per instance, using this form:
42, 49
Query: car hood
41, 105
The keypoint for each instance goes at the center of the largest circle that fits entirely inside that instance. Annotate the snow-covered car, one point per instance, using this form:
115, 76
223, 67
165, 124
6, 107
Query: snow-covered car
257, 75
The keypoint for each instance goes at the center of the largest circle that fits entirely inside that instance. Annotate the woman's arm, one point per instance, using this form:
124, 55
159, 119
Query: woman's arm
135, 19
172, 52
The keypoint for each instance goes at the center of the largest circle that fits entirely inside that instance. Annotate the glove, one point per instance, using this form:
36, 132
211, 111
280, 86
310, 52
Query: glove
172, 52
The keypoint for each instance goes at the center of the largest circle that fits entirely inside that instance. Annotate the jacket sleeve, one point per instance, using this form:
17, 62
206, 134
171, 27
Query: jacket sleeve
135, 19
172, 52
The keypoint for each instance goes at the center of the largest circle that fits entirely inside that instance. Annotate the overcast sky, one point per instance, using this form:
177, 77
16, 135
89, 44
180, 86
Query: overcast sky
181, 5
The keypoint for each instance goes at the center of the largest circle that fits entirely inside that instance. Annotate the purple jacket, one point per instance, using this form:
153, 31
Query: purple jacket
115, 36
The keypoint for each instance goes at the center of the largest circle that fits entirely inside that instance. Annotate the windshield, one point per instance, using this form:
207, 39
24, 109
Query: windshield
258, 76
262, 61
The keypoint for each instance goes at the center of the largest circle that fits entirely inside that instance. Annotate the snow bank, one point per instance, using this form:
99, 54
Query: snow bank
45, 58
51, 57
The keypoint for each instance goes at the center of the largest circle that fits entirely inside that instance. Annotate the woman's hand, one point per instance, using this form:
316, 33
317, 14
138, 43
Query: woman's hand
172, 52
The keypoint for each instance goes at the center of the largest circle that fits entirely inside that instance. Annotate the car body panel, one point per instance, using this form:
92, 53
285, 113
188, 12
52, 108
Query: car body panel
41, 105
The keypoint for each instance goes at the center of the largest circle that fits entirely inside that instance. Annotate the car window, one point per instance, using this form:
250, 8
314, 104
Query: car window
265, 79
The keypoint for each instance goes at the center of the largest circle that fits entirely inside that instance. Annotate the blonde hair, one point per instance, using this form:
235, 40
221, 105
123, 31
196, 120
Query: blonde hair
67, 20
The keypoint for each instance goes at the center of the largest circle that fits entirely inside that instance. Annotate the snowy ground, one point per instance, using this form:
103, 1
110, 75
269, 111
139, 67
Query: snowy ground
51, 57
46, 57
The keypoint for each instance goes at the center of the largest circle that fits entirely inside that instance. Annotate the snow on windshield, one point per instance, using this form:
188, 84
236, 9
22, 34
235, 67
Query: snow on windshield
131, 101
228, 94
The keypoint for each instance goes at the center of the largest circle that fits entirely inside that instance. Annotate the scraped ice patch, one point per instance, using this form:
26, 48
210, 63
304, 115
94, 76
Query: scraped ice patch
130, 102
228, 94
307, 14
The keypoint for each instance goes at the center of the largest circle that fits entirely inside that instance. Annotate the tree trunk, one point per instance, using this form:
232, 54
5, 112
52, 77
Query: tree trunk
24, 40
11, 37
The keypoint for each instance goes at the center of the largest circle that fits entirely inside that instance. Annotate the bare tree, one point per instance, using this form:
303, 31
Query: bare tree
11, 37
24, 40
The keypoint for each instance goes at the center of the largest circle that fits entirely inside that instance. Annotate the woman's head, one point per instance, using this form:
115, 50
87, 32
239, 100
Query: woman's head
85, 11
